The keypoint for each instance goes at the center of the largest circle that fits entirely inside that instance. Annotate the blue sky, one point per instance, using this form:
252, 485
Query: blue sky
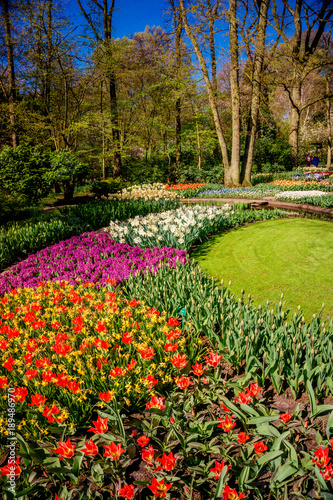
130, 16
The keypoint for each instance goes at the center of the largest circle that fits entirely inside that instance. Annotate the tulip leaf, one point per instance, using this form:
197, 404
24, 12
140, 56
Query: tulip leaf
268, 430
320, 477
292, 453
234, 408
312, 397
77, 464
329, 425
249, 410
285, 471
322, 409
260, 420
220, 483
243, 477
269, 457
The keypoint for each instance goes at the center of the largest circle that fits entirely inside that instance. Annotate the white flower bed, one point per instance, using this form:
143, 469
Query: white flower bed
173, 228
297, 195
155, 191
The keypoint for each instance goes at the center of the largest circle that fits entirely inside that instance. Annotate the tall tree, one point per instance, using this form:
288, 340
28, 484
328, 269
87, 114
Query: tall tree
257, 68
107, 10
234, 87
211, 94
11, 90
178, 28
300, 50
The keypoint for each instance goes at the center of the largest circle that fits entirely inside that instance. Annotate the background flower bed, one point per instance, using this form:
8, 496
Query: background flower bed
256, 192
296, 185
296, 195
325, 200
156, 191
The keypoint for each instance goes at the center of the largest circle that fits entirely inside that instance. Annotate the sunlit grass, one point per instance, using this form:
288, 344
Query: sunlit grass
289, 256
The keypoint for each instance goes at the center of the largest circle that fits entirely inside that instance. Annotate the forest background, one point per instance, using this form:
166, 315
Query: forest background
222, 90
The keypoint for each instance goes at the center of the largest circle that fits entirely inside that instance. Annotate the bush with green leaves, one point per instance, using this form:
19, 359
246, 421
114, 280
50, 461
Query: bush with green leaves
22, 173
66, 170
108, 186
272, 155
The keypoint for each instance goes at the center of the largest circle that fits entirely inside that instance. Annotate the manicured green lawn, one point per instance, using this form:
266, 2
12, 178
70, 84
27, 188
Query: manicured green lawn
293, 256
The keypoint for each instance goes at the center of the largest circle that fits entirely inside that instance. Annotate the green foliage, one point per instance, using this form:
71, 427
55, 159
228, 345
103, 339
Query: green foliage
165, 169
12, 207
272, 155
22, 172
108, 186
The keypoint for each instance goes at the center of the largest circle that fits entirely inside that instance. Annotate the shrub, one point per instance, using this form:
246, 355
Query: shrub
66, 170
108, 186
22, 172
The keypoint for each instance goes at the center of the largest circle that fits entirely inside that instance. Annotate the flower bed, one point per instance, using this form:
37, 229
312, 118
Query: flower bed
297, 185
297, 195
19, 240
185, 226
114, 398
177, 228
155, 192
325, 200
184, 187
166, 387
90, 258
257, 192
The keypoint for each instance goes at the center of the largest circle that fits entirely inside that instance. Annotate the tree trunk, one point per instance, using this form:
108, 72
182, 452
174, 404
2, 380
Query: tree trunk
48, 57
255, 98
329, 126
199, 146
177, 20
11, 73
103, 133
110, 74
295, 114
234, 86
211, 96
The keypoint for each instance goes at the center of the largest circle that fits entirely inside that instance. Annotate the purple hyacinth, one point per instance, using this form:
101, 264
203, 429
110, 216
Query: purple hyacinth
92, 258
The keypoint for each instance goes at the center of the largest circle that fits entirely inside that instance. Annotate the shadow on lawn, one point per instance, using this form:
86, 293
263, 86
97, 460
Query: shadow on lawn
202, 248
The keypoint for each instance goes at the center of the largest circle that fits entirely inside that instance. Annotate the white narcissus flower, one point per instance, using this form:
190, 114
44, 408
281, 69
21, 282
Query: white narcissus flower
297, 195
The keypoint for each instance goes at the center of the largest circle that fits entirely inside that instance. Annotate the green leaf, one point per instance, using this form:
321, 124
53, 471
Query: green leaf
326, 495
322, 409
260, 420
197, 446
220, 484
269, 457
243, 477
320, 478
292, 453
285, 471
77, 464
268, 430
234, 408
329, 425
313, 403
249, 410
